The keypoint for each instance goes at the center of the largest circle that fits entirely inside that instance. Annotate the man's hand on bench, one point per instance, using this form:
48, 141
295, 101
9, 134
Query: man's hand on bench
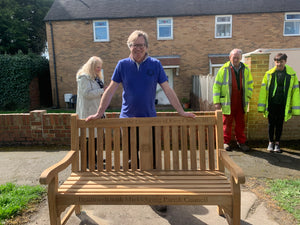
188, 114
93, 117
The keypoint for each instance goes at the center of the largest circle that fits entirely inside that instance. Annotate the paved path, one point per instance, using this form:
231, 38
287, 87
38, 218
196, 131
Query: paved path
24, 166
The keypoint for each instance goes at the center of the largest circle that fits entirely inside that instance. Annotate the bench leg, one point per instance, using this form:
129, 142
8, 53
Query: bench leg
226, 212
236, 208
77, 209
54, 218
236, 214
220, 211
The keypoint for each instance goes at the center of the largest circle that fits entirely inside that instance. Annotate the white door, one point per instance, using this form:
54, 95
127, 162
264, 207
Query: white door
160, 95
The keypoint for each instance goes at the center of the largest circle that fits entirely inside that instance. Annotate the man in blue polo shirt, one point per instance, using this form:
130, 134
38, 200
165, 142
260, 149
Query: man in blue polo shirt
139, 75
139, 83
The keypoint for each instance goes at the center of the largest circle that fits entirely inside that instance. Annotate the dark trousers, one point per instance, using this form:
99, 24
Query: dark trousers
275, 118
137, 145
87, 152
137, 142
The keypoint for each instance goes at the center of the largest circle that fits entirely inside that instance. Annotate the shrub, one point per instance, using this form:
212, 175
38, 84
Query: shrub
16, 73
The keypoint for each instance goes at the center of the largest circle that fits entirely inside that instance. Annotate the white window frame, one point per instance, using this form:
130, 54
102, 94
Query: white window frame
107, 30
291, 20
160, 95
102, 72
225, 35
213, 67
162, 25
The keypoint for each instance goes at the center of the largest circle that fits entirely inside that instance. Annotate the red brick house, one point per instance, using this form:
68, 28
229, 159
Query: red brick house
189, 37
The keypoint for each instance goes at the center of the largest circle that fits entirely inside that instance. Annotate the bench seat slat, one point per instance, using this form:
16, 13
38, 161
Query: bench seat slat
124, 178
148, 176
146, 181
118, 182
141, 186
69, 195
127, 181
162, 191
143, 179
151, 173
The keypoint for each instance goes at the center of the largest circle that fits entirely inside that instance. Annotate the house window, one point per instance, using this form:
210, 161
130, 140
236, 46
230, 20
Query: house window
216, 61
223, 27
292, 24
164, 28
214, 69
101, 32
161, 98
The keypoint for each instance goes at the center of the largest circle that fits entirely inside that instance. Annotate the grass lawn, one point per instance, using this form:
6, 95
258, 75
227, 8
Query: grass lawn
286, 192
14, 199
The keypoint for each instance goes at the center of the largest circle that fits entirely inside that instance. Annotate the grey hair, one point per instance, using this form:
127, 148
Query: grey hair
236, 50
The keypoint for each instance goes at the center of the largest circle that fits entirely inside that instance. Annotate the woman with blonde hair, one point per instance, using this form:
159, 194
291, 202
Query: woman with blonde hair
90, 87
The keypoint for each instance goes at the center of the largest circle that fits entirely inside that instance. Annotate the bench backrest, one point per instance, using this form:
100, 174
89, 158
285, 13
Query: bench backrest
160, 143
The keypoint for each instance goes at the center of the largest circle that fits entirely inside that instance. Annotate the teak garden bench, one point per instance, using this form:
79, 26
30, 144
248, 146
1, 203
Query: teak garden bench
172, 161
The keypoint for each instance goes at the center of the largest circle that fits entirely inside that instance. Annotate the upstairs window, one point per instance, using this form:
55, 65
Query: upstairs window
101, 32
223, 26
164, 28
291, 24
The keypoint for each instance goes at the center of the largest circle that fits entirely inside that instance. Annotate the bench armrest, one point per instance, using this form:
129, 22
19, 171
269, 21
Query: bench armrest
233, 168
53, 171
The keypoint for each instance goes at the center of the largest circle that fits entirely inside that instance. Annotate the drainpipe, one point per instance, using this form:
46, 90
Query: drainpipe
54, 64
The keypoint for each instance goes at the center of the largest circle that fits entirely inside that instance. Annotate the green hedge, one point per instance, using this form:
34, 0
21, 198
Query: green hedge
16, 73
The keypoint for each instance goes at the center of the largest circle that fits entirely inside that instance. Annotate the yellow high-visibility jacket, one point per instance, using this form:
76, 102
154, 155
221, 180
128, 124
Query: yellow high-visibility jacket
223, 84
291, 88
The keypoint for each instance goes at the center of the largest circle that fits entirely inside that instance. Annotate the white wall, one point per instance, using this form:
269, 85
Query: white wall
293, 57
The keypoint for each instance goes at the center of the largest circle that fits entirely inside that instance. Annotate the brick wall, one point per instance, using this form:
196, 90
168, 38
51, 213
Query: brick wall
36, 127
41, 128
193, 42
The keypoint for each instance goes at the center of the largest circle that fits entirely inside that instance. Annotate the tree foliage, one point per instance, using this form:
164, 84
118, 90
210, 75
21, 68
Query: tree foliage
22, 27
16, 73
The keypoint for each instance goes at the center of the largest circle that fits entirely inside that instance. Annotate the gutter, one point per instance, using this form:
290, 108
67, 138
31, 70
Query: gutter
54, 65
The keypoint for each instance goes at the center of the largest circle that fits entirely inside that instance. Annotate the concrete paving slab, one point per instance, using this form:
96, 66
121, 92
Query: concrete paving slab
145, 215
248, 200
261, 216
25, 166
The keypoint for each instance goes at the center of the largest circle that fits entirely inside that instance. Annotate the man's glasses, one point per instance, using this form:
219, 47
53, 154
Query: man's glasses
138, 45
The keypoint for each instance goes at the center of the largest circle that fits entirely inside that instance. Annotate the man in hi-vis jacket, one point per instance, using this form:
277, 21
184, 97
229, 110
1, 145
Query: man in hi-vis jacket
232, 91
279, 98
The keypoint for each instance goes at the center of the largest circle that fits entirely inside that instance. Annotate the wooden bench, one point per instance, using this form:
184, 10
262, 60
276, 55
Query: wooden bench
187, 167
